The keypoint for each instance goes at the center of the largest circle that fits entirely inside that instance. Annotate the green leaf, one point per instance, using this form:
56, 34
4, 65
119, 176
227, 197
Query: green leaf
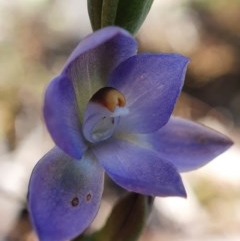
102, 13
95, 13
128, 14
126, 220
131, 14
109, 12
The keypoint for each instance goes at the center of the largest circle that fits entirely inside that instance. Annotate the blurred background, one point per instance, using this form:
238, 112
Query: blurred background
36, 36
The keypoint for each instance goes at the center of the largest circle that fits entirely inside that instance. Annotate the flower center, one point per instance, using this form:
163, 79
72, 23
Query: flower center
109, 97
103, 114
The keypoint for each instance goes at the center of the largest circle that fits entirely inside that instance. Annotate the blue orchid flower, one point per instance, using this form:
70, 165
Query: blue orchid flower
109, 110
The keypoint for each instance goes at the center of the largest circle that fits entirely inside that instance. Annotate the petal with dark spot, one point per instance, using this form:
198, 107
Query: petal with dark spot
64, 195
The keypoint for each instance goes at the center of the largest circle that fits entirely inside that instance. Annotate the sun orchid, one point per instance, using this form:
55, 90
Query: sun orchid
109, 110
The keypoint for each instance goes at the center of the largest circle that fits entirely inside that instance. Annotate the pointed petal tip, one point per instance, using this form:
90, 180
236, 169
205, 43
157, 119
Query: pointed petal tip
182, 192
221, 142
176, 190
225, 145
179, 190
228, 142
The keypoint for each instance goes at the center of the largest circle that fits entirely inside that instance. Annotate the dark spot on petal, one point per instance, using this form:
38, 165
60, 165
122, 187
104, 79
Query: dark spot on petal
75, 202
202, 140
88, 196
113, 120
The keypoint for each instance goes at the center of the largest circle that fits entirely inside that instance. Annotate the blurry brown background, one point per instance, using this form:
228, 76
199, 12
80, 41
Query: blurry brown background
36, 36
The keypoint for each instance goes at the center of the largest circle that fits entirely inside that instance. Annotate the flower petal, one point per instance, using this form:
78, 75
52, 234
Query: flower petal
64, 195
137, 169
186, 144
151, 84
61, 117
91, 62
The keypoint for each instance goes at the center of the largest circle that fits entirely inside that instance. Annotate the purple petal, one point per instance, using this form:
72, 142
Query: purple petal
151, 84
64, 195
61, 117
91, 63
139, 170
187, 145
